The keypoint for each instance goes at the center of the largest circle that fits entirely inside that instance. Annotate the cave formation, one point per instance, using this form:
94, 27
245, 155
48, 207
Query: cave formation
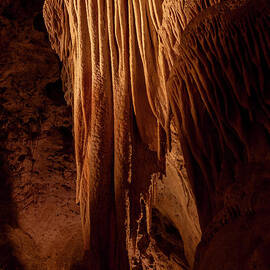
170, 108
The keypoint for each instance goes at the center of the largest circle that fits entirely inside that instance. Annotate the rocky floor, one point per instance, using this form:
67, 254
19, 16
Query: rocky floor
39, 220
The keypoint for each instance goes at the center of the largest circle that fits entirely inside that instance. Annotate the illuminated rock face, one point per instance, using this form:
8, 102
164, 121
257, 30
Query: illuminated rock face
147, 79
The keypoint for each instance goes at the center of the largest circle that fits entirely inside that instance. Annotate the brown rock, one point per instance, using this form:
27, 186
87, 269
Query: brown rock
171, 133
39, 220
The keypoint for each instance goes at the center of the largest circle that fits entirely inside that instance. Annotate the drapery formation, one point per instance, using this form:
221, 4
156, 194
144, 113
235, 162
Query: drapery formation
220, 82
133, 65
219, 93
115, 63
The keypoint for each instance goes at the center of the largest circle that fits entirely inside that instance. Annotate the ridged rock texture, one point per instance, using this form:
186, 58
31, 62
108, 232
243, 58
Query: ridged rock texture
219, 93
40, 224
170, 105
158, 88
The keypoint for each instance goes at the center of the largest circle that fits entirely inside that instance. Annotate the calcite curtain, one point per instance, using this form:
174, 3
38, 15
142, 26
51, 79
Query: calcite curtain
117, 66
104, 50
134, 70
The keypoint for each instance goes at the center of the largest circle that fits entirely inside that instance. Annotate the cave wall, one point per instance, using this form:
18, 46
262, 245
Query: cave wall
223, 75
39, 219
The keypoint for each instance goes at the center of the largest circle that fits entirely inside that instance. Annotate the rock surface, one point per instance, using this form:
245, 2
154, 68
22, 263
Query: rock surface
40, 222
219, 91
144, 77
112, 60
170, 119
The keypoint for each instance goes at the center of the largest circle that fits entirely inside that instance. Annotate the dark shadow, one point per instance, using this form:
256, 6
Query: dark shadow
168, 238
39, 24
8, 215
54, 92
11, 12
